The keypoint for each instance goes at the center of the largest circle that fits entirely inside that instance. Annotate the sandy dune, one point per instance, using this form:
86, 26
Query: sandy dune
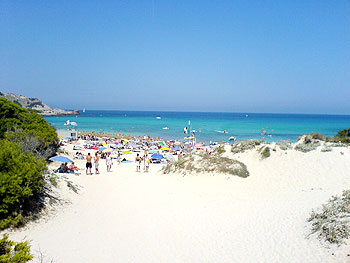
124, 216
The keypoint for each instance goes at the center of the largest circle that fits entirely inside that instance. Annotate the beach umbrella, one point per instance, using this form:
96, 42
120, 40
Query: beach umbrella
176, 149
165, 149
161, 143
101, 148
62, 159
157, 156
107, 150
152, 151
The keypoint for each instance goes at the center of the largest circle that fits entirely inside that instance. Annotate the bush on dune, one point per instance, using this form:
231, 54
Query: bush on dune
245, 146
332, 222
265, 153
13, 252
21, 126
207, 163
342, 136
284, 145
21, 182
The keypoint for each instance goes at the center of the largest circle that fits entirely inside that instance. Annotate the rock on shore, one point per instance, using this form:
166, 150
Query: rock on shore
36, 104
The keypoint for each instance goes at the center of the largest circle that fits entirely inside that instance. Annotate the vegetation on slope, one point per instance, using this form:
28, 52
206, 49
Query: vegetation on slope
21, 182
13, 252
332, 222
26, 140
207, 163
23, 126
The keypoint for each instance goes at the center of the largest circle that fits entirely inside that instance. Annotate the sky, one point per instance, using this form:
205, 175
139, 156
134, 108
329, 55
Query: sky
229, 56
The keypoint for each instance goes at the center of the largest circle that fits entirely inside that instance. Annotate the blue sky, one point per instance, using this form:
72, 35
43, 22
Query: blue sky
235, 56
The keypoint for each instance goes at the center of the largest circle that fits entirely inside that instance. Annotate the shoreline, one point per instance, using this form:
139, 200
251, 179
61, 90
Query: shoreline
208, 128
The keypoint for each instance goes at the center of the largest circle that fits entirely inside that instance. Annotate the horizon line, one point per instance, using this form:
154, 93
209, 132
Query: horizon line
276, 113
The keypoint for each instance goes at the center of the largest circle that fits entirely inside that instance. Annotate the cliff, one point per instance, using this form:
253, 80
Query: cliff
36, 104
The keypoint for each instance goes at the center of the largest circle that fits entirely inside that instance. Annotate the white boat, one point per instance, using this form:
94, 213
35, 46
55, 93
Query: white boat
84, 110
165, 128
158, 118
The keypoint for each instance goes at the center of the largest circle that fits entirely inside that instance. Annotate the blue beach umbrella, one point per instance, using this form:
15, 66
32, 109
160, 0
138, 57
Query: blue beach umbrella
157, 156
61, 159
101, 148
176, 149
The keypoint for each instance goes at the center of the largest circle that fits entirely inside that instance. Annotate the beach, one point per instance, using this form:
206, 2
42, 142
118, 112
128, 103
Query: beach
127, 216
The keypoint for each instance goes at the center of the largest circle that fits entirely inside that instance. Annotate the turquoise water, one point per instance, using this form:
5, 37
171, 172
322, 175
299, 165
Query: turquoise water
209, 125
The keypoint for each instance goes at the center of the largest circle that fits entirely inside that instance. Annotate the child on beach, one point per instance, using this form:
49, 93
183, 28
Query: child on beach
109, 162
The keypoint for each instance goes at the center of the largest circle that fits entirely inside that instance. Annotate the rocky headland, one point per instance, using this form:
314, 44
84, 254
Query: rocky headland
36, 104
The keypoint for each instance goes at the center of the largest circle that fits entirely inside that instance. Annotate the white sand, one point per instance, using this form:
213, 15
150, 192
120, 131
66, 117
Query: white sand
124, 216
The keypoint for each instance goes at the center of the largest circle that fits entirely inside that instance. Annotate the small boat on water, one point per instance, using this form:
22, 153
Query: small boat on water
166, 128
158, 118
232, 138
84, 110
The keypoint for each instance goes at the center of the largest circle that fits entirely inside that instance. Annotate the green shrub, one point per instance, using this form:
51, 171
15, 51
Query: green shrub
18, 124
342, 136
318, 136
332, 221
53, 180
13, 252
220, 150
307, 147
17, 102
37, 103
326, 149
284, 145
244, 146
21, 182
208, 163
266, 152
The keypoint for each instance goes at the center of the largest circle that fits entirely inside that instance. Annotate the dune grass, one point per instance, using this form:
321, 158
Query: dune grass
207, 163
331, 223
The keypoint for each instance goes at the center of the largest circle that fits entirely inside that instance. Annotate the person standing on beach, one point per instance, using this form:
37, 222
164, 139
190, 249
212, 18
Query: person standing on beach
144, 158
88, 163
109, 162
146, 162
118, 158
96, 160
138, 163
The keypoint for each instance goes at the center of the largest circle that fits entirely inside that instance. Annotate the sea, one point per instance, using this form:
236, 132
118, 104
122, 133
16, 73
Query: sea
207, 126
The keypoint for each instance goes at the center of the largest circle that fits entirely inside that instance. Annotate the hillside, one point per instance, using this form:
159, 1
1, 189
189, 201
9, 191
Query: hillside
36, 104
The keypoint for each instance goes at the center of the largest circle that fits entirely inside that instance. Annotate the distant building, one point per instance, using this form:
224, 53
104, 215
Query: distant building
69, 133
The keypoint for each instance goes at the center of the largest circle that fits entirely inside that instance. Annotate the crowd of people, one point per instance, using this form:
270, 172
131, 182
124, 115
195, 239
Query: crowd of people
114, 149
